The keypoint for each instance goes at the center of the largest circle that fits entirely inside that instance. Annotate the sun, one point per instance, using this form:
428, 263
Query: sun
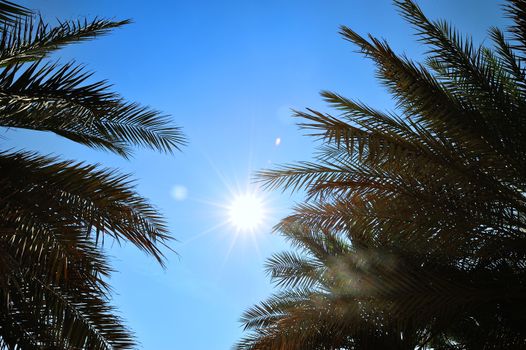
246, 212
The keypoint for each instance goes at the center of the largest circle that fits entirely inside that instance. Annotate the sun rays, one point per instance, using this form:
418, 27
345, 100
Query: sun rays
241, 211
246, 212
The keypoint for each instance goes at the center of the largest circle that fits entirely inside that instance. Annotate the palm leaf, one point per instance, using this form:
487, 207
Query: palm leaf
55, 98
31, 39
412, 231
11, 12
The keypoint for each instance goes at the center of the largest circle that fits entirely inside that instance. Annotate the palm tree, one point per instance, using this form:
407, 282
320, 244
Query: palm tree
55, 214
412, 233
337, 295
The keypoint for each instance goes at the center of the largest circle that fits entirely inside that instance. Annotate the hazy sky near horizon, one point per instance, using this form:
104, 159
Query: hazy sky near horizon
228, 72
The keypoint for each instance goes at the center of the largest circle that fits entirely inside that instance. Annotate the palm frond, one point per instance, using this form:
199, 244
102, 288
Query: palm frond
11, 12
57, 98
76, 317
516, 11
31, 39
43, 194
56, 215
412, 231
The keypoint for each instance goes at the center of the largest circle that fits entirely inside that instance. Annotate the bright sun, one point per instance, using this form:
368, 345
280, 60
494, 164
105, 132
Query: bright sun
246, 212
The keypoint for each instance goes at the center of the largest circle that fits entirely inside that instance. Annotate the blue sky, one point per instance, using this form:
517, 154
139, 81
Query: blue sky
228, 72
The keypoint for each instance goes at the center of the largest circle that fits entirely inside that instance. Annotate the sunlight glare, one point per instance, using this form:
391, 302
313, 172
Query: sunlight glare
246, 212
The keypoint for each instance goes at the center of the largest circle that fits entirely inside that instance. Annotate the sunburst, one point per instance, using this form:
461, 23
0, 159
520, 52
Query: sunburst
246, 212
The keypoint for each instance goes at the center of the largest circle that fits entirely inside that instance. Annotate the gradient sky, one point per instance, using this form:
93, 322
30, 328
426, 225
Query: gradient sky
228, 72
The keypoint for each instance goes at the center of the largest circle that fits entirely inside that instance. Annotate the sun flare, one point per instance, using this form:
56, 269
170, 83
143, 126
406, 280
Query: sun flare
246, 212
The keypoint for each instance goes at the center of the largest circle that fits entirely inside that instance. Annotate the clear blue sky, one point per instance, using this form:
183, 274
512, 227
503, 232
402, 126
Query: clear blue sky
228, 72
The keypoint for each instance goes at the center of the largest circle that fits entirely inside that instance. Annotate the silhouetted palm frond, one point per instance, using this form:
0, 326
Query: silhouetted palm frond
55, 215
56, 196
11, 12
30, 38
52, 97
412, 233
